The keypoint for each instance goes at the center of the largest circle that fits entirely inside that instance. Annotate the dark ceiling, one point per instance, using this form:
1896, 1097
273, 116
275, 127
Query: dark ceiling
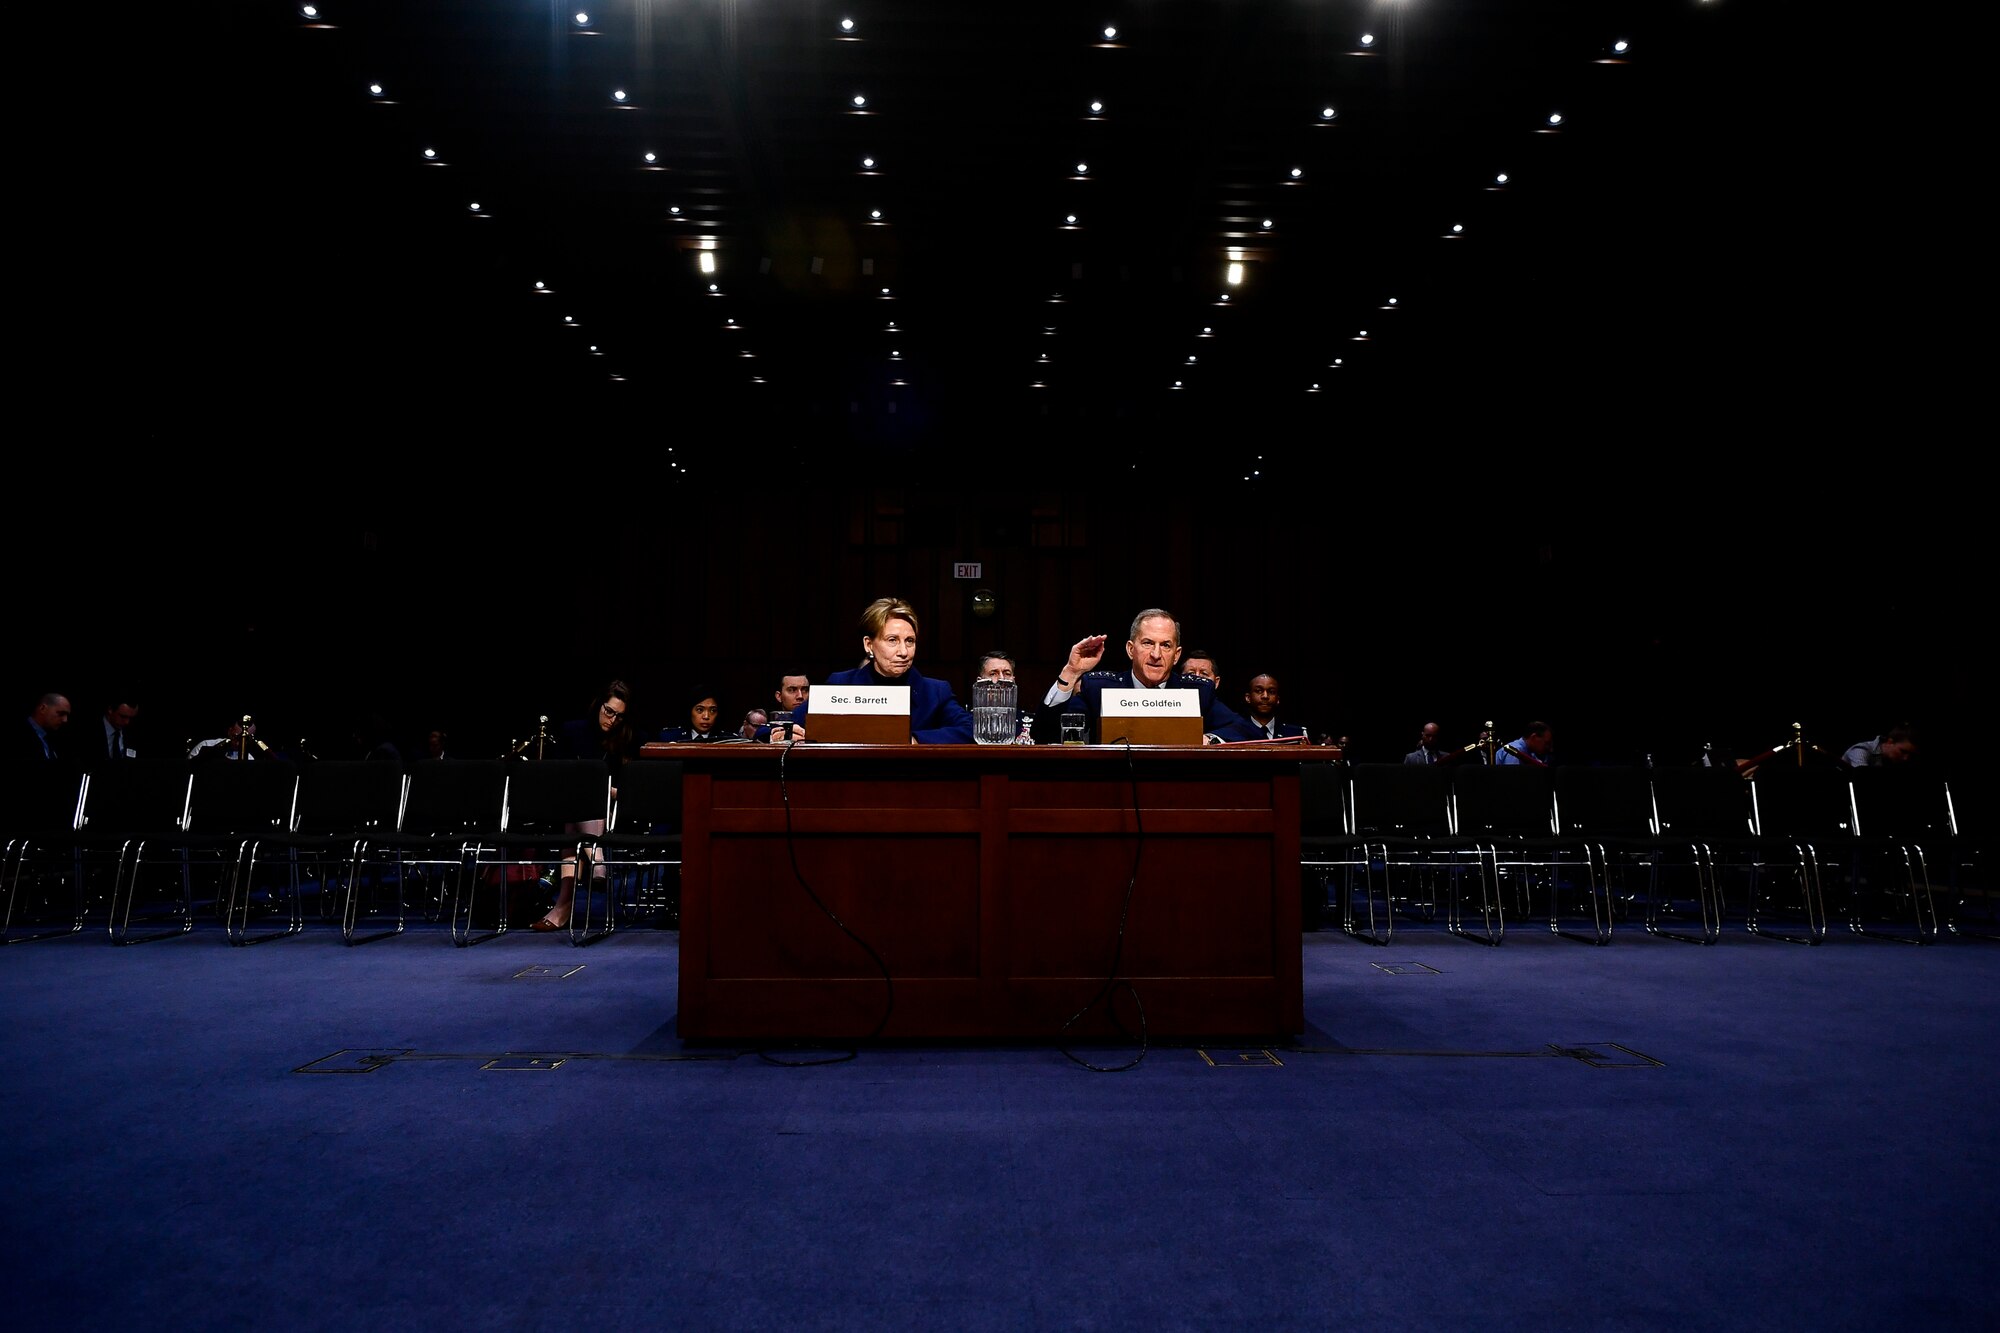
296, 240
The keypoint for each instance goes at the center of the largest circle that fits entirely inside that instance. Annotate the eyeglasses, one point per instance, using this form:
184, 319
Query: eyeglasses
609, 711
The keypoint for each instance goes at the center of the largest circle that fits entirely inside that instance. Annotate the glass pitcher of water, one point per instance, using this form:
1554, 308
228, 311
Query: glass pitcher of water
996, 719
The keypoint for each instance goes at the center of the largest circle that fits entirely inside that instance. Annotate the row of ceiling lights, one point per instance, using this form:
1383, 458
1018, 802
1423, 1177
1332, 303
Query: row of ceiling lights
706, 261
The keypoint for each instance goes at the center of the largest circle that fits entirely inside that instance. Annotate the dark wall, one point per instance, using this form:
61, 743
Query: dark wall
1637, 620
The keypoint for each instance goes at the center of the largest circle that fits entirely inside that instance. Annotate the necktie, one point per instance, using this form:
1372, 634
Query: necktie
117, 744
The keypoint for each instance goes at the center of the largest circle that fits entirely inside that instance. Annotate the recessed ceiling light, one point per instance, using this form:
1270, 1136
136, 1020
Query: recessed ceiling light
652, 157
1500, 179
1621, 46
1267, 224
374, 90
1298, 172
1555, 118
473, 206
707, 261
430, 152
1110, 33
847, 25
860, 99
868, 163
1070, 219
1096, 108
1368, 39
1327, 113
1082, 168
617, 94
875, 213
582, 18
310, 11
540, 288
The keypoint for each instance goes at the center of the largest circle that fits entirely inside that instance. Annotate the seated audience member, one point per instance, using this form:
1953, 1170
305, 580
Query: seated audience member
1262, 699
703, 718
1201, 662
91, 748
998, 664
1153, 651
1532, 748
1897, 745
608, 734
34, 738
889, 657
435, 743
790, 696
1428, 750
239, 741
754, 721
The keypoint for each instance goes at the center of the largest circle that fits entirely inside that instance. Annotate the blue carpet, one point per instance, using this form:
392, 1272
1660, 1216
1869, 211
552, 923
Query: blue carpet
1650, 1135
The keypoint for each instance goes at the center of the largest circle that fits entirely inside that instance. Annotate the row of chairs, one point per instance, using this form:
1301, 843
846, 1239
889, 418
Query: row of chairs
362, 832
1592, 842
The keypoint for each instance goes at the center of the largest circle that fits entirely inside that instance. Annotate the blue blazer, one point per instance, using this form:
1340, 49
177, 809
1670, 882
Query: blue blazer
936, 718
1216, 717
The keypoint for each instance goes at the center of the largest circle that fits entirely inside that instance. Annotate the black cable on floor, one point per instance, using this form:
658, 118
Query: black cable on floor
1112, 984
888, 983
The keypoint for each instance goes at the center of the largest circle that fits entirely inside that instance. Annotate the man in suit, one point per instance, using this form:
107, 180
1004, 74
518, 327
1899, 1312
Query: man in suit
1428, 750
92, 748
1262, 700
34, 739
1154, 651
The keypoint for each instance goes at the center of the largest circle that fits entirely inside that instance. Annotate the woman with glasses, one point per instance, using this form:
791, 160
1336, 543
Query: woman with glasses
607, 733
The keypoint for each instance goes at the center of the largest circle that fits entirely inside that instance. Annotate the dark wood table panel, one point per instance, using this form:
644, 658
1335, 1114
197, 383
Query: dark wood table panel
989, 879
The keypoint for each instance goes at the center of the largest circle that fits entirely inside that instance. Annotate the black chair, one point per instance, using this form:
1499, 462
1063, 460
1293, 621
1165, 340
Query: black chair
450, 805
234, 806
1509, 810
1708, 828
1971, 894
1401, 815
131, 810
1812, 811
1327, 843
41, 805
1610, 810
1901, 819
540, 799
342, 804
641, 845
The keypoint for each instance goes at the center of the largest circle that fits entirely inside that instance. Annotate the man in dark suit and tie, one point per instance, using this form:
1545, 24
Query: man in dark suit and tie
34, 739
91, 747
1427, 751
1154, 651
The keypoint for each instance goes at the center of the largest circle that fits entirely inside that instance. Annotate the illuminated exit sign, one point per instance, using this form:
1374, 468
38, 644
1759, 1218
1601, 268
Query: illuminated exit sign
965, 569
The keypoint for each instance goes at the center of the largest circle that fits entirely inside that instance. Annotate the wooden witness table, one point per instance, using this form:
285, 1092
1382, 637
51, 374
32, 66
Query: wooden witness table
989, 879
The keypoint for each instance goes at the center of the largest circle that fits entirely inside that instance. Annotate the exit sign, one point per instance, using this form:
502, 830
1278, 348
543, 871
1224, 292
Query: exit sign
965, 569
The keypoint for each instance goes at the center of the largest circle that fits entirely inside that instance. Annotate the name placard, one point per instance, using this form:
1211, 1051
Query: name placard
1150, 717
864, 700
1145, 703
859, 715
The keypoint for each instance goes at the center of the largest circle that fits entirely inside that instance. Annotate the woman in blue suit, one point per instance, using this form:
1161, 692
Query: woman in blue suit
889, 651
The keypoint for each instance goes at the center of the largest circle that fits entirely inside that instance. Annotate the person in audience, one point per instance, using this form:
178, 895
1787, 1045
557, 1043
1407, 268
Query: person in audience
34, 739
239, 741
790, 696
755, 721
1532, 748
889, 657
1428, 750
436, 743
1201, 662
703, 725
607, 733
1154, 651
995, 664
1262, 700
1894, 747
92, 748
371, 740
